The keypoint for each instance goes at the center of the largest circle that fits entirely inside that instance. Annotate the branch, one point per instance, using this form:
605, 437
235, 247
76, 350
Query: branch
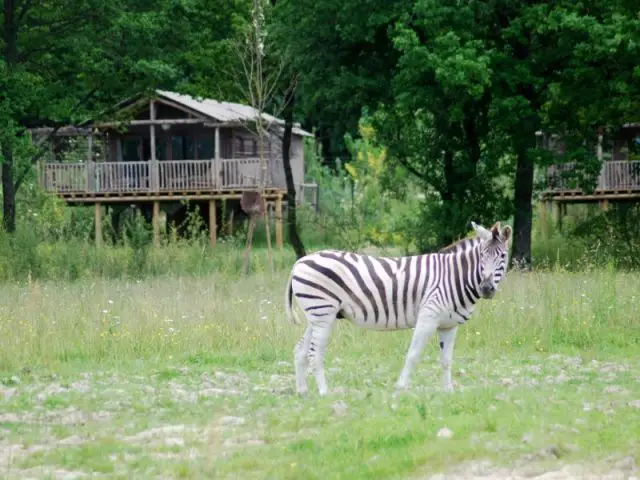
23, 11
43, 144
411, 169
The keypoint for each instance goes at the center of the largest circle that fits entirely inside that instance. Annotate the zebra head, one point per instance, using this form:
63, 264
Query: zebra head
493, 257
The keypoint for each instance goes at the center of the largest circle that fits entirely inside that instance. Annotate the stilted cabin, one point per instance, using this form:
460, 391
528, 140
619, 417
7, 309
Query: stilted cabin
167, 147
618, 180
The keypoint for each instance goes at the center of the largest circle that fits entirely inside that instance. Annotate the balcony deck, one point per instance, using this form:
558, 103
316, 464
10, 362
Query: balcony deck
123, 181
617, 180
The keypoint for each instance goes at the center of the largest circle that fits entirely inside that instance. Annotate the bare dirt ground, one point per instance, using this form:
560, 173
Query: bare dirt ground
105, 424
624, 468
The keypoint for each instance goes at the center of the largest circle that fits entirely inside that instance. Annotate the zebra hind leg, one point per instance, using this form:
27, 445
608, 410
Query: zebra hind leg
301, 359
320, 333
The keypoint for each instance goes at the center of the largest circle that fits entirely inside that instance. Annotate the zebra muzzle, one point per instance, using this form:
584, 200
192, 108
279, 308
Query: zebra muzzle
488, 288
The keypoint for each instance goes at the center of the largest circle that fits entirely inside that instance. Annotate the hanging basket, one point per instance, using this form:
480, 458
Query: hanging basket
251, 203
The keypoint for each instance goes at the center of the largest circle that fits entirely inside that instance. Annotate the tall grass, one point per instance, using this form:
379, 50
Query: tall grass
224, 318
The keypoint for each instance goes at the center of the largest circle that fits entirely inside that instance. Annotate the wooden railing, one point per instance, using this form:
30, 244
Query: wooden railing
159, 176
614, 175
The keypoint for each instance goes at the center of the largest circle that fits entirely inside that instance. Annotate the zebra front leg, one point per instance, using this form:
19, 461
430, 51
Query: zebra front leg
319, 341
447, 341
301, 359
424, 330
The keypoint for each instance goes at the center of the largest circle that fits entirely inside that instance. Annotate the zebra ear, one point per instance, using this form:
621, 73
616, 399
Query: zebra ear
506, 233
495, 231
481, 231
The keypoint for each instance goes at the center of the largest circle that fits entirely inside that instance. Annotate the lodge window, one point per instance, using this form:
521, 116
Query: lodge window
246, 146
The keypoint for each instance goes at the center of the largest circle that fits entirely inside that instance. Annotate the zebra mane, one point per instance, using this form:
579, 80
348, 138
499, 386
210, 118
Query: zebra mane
459, 245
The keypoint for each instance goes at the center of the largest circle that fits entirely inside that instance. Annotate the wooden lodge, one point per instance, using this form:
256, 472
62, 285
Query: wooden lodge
619, 177
617, 181
157, 150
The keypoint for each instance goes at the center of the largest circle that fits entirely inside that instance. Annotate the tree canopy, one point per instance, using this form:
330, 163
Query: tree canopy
455, 92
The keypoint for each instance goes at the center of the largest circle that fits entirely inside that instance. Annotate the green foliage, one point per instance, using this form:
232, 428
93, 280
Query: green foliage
362, 205
96, 55
344, 58
605, 240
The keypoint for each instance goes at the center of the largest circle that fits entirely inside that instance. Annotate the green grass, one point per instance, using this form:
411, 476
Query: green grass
93, 374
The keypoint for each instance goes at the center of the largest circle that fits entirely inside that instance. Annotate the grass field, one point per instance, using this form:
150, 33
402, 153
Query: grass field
193, 378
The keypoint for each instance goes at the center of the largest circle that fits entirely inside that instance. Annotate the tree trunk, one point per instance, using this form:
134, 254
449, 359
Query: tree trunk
292, 226
8, 192
523, 214
10, 57
448, 199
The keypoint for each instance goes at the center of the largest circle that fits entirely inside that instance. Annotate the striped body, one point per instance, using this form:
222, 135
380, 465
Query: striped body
386, 293
429, 293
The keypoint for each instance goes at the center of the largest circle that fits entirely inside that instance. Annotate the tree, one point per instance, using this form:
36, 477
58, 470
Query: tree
438, 123
345, 58
292, 222
561, 66
460, 89
65, 61
287, 90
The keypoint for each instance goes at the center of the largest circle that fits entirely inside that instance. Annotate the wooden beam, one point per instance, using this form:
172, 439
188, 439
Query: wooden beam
98, 224
153, 197
586, 198
213, 224
223, 124
156, 223
144, 123
279, 233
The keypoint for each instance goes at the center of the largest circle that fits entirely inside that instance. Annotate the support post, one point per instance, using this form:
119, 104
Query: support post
156, 223
155, 177
231, 213
543, 218
216, 159
98, 222
213, 224
557, 215
89, 168
279, 222
599, 152
604, 204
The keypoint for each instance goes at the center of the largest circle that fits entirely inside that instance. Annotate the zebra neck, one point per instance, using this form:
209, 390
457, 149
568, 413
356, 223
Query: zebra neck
471, 275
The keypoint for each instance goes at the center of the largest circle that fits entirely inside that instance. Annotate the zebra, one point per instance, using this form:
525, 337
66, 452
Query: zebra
428, 293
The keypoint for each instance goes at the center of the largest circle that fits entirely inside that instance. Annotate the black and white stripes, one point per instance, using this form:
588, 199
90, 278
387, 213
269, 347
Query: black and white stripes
429, 293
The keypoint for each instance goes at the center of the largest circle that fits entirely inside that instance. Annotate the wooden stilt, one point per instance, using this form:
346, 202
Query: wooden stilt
279, 235
544, 222
267, 228
604, 205
250, 230
557, 215
98, 222
213, 224
231, 222
156, 223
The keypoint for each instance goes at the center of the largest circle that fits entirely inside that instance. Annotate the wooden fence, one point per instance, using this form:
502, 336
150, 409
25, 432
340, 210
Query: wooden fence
159, 176
614, 175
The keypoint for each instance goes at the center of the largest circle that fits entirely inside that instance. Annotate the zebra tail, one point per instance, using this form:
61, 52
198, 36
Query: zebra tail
291, 314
